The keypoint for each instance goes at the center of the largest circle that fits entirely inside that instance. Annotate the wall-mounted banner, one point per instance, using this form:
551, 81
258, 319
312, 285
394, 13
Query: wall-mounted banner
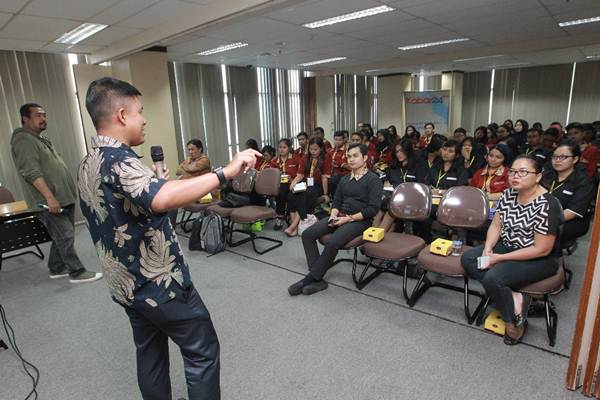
430, 106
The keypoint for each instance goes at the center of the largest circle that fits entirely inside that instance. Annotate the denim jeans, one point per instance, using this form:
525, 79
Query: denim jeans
61, 228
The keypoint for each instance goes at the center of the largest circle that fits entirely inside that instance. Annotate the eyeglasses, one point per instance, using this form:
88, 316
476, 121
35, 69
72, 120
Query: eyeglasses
521, 173
561, 157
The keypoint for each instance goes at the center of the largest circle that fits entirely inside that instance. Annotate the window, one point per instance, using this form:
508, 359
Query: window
226, 99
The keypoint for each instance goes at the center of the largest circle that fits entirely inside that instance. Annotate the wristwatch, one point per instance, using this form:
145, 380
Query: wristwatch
220, 174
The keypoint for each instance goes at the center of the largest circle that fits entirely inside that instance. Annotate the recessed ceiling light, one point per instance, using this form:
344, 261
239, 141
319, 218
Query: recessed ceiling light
478, 58
220, 49
350, 16
327, 60
422, 45
80, 33
508, 65
579, 21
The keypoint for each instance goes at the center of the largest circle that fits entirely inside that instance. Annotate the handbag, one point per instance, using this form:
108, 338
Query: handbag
235, 200
304, 224
245, 182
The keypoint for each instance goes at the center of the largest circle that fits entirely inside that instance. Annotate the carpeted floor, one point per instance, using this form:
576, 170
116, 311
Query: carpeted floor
338, 344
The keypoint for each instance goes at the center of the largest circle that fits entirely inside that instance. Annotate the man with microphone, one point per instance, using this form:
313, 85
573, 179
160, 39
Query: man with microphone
126, 207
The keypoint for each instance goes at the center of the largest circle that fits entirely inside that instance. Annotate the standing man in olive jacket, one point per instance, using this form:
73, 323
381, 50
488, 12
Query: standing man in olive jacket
49, 182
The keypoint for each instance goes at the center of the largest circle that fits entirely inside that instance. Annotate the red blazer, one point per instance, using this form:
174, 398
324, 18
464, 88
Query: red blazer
316, 175
290, 166
497, 184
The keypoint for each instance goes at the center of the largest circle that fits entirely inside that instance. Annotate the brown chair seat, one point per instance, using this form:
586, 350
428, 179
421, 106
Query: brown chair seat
197, 207
357, 241
249, 214
449, 265
223, 212
394, 246
549, 285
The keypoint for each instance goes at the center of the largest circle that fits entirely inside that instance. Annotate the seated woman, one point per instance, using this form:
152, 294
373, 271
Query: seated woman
385, 148
493, 178
447, 172
316, 168
568, 182
405, 167
471, 159
268, 153
355, 203
521, 245
196, 164
288, 164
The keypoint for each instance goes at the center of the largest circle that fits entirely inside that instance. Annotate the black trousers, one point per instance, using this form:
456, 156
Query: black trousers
575, 228
187, 322
501, 278
282, 199
319, 263
305, 202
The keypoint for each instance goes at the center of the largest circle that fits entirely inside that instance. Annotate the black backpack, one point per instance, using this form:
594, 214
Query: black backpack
195, 242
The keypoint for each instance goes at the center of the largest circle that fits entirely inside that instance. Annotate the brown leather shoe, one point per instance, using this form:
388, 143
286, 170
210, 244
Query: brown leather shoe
514, 334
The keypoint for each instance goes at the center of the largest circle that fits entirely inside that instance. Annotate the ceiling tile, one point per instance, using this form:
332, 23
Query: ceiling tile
166, 10
570, 15
317, 10
196, 45
36, 28
122, 10
4, 17
69, 9
12, 6
393, 30
15, 44
111, 35
258, 30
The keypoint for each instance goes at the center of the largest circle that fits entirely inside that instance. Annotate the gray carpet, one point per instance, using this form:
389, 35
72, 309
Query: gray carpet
339, 344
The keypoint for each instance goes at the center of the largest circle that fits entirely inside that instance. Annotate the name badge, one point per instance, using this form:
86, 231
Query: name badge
568, 192
451, 178
310, 181
411, 176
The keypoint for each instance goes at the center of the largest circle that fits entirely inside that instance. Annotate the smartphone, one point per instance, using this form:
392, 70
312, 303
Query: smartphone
483, 262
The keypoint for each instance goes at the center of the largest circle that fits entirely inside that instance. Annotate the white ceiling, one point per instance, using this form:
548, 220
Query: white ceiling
515, 32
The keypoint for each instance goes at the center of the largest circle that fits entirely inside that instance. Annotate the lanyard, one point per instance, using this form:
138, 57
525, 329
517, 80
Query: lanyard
528, 151
282, 164
440, 177
403, 174
486, 184
313, 166
335, 156
429, 163
471, 162
552, 188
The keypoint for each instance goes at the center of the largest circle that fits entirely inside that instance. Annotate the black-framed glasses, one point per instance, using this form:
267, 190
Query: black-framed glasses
561, 157
521, 173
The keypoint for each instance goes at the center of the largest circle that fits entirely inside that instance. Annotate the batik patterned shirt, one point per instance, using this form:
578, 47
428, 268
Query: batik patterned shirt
138, 249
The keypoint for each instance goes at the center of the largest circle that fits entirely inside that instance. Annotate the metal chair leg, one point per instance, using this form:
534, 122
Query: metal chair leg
551, 321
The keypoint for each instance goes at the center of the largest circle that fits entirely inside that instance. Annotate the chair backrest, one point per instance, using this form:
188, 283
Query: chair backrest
267, 182
411, 201
463, 207
6, 196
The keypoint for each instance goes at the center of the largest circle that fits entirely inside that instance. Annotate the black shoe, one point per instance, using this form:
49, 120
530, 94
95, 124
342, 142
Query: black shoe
314, 287
296, 288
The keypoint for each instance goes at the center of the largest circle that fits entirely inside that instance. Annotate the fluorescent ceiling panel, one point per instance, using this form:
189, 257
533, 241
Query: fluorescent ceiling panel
80, 33
221, 49
422, 45
325, 61
350, 16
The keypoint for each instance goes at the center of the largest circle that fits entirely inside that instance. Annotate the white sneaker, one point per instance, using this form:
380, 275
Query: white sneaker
62, 274
86, 277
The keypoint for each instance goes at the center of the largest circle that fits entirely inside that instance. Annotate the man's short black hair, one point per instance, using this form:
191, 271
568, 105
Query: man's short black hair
574, 125
362, 147
25, 110
340, 133
429, 123
102, 95
319, 129
302, 134
460, 130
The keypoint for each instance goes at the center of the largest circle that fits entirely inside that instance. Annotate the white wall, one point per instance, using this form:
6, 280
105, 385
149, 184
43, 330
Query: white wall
390, 105
325, 104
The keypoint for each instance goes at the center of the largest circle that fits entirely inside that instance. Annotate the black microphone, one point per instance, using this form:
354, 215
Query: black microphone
156, 152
